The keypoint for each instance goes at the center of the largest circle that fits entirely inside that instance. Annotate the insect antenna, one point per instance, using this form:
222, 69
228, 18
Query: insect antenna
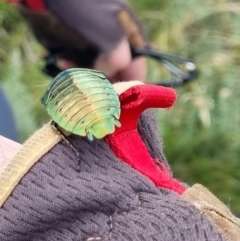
68, 142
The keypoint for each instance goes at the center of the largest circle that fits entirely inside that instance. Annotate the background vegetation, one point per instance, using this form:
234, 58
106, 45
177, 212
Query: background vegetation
201, 133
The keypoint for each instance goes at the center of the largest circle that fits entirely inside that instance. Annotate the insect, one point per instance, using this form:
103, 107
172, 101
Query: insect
82, 102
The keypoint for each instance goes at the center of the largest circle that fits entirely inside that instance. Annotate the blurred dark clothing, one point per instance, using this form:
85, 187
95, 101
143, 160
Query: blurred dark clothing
81, 30
7, 123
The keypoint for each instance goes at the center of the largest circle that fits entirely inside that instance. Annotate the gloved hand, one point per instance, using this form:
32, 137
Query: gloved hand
106, 200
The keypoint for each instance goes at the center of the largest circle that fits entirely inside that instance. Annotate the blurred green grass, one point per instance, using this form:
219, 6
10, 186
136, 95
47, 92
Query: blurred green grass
201, 132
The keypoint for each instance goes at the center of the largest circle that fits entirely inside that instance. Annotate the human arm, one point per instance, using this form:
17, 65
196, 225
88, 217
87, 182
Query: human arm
95, 36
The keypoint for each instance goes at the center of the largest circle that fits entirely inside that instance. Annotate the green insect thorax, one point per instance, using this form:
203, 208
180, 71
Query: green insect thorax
83, 102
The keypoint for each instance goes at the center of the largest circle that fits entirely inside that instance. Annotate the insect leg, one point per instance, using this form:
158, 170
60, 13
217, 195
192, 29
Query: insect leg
69, 143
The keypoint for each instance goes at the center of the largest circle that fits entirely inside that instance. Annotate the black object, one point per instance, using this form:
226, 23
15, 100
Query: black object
51, 68
168, 60
85, 60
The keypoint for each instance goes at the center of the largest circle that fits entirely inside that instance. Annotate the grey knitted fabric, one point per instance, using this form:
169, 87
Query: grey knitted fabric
148, 130
106, 200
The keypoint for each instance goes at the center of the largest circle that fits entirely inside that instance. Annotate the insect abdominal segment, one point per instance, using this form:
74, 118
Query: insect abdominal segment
101, 127
83, 102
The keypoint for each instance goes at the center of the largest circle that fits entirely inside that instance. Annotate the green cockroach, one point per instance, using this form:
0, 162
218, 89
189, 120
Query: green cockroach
83, 102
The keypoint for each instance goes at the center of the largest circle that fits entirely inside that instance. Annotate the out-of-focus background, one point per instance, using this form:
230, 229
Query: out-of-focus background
201, 133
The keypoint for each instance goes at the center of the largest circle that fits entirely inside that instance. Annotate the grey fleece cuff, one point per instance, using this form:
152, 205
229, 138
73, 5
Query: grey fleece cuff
148, 130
